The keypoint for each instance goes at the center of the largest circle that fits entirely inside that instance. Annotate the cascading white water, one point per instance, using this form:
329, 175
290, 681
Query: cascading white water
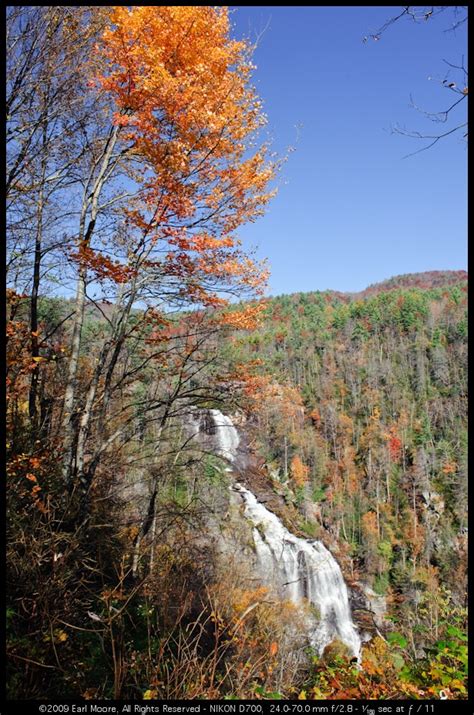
301, 569
227, 436
214, 431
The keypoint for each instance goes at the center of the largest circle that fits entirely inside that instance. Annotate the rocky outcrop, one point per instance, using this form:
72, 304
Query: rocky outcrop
368, 609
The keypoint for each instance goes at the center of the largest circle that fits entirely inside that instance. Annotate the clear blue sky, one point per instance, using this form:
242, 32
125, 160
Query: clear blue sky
351, 210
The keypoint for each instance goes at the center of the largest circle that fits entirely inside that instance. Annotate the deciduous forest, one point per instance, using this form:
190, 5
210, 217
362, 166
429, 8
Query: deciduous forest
169, 428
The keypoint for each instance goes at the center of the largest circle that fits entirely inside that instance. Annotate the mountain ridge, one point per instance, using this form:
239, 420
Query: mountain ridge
422, 279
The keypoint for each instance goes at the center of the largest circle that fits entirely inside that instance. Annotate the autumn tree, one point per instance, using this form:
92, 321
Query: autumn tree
183, 121
133, 159
47, 117
299, 471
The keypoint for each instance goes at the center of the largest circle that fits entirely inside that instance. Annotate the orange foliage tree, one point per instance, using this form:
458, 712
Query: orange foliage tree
184, 127
188, 117
299, 471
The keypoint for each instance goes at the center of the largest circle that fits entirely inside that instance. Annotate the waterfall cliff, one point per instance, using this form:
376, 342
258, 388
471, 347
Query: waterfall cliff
300, 570
227, 436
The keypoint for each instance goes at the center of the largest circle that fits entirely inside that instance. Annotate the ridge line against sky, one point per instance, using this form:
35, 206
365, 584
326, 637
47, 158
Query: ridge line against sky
351, 211
379, 283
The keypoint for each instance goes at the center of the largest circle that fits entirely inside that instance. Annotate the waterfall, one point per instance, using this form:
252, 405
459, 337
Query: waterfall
227, 436
301, 569
214, 431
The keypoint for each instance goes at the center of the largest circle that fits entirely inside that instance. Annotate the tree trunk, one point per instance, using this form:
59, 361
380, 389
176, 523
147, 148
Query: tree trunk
32, 398
69, 468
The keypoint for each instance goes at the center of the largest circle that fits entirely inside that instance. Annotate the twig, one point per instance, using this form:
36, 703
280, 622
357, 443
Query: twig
28, 660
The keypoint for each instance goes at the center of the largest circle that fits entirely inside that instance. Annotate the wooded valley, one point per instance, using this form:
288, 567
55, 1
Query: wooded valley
167, 424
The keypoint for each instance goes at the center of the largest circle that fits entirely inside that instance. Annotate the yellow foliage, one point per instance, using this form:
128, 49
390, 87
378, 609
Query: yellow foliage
247, 318
299, 471
369, 525
242, 599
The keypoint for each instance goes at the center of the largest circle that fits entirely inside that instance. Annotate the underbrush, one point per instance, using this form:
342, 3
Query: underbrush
81, 624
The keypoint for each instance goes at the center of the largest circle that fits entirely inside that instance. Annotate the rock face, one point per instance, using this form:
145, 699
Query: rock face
295, 569
215, 433
433, 503
302, 570
368, 609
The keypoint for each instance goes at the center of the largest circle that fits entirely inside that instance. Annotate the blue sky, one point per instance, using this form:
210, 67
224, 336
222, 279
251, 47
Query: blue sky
351, 210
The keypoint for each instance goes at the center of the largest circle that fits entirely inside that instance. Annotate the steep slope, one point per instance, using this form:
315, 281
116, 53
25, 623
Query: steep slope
360, 412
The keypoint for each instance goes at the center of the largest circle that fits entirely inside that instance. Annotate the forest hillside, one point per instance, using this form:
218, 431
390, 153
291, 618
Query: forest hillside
352, 415
211, 494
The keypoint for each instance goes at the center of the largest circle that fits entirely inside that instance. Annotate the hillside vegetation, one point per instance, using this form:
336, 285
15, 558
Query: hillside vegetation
356, 407
137, 151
